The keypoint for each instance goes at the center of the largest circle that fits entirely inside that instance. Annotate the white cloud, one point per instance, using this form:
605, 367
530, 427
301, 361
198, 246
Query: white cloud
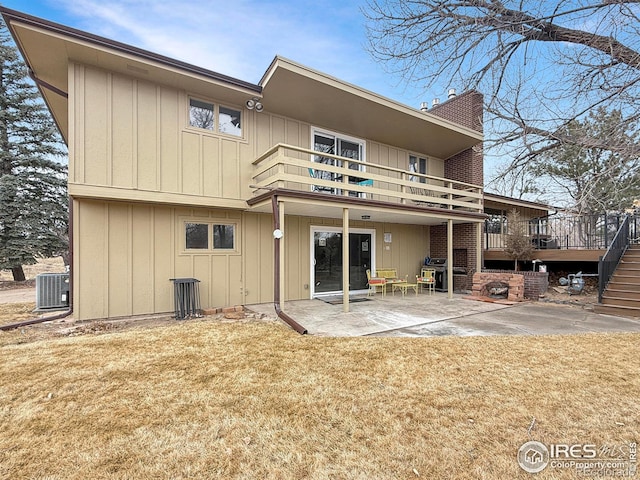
237, 38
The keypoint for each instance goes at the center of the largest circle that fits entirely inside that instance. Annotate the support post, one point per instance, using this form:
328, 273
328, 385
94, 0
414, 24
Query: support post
480, 250
449, 259
345, 260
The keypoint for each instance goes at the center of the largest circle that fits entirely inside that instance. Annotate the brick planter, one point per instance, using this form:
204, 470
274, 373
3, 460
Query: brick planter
515, 282
535, 283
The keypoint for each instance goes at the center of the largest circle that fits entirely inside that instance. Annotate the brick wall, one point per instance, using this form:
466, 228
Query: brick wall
465, 109
467, 166
464, 238
535, 283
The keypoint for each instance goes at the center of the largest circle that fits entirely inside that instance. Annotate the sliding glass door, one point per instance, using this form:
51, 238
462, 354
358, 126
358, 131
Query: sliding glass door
326, 259
343, 146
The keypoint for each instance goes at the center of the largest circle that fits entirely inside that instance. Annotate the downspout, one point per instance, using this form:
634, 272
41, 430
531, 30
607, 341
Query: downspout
276, 269
68, 312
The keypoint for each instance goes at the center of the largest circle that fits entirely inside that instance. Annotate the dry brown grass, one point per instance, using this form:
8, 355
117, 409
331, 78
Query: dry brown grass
207, 399
44, 265
16, 312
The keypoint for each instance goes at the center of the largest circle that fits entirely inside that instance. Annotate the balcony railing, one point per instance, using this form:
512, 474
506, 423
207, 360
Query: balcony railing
295, 168
579, 232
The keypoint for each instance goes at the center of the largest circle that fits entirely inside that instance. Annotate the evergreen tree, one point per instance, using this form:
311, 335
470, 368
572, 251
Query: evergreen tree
33, 193
594, 178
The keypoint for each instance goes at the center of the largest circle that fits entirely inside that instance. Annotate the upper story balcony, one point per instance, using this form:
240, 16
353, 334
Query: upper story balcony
295, 168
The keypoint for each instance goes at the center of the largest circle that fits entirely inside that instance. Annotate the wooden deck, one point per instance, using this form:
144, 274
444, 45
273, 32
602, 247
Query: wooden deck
294, 168
552, 255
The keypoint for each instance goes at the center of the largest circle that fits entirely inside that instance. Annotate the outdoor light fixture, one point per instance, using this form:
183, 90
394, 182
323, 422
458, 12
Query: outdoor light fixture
277, 233
254, 103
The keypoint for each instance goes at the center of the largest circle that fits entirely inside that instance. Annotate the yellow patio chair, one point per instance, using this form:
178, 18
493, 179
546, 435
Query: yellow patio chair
374, 283
427, 277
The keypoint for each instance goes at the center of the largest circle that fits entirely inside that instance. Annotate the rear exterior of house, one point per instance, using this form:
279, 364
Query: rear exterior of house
176, 171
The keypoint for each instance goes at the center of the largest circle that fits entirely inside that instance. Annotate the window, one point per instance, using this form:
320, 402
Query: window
197, 236
201, 114
417, 165
497, 221
212, 117
223, 236
229, 121
336, 144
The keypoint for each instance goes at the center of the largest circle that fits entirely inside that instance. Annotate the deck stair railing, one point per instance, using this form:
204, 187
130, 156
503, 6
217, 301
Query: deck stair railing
609, 261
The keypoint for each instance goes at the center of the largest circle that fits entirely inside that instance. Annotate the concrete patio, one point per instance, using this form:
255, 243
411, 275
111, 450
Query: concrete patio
436, 315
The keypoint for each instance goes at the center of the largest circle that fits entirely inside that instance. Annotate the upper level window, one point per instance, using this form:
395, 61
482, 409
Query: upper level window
497, 221
343, 146
418, 165
201, 114
229, 121
213, 117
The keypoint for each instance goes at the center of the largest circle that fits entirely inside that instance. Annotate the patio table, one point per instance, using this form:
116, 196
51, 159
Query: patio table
403, 286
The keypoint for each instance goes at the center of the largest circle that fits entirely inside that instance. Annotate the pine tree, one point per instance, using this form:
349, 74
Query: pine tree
596, 179
33, 194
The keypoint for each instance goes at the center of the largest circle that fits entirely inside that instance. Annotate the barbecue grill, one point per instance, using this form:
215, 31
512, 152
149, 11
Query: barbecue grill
441, 266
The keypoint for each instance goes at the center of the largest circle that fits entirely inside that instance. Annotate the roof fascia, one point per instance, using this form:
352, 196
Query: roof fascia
287, 64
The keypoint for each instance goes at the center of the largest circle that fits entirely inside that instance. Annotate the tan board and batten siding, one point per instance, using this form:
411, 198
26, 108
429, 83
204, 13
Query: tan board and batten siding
132, 147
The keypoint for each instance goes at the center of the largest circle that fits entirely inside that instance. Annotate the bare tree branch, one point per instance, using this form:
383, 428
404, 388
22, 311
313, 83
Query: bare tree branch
540, 65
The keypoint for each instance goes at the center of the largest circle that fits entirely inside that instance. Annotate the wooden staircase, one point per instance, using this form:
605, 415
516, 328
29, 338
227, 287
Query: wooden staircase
622, 295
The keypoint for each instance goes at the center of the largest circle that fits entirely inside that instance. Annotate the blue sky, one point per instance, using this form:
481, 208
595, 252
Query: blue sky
239, 38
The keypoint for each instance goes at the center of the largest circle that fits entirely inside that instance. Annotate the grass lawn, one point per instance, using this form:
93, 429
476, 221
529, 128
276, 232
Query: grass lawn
16, 312
255, 400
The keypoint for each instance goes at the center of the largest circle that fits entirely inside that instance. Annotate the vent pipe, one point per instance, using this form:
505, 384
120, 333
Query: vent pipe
435, 101
452, 93
424, 106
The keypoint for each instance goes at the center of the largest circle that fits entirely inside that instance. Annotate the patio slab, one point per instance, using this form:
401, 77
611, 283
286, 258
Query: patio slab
437, 315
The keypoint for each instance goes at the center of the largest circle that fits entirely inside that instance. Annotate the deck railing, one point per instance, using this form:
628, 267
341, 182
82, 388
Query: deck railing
296, 168
579, 232
609, 262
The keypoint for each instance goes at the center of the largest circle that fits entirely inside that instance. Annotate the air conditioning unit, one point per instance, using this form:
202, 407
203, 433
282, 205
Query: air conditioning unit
52, 291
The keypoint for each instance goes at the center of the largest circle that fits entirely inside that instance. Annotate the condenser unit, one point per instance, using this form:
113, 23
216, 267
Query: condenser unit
52, 291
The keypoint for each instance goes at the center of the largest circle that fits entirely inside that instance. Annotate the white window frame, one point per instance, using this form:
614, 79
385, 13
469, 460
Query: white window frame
336, 135
210, 236
216, 117
419, 157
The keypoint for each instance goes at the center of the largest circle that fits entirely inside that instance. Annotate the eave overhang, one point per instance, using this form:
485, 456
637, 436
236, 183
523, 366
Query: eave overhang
48, 48
492, 200
296, 91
